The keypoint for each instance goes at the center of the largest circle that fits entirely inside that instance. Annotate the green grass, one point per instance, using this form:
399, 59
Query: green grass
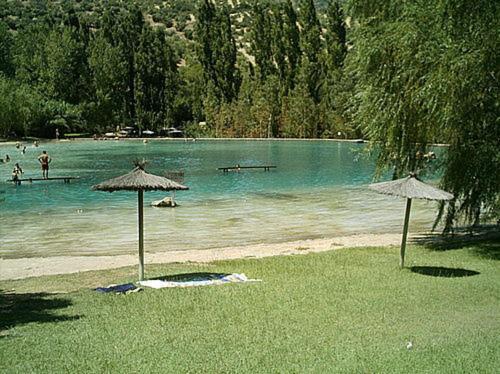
349, 310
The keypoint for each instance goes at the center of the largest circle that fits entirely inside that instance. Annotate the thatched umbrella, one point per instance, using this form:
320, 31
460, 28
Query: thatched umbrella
140, 181
411, 188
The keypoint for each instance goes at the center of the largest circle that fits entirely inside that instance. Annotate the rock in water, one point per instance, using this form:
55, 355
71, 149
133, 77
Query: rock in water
166, 202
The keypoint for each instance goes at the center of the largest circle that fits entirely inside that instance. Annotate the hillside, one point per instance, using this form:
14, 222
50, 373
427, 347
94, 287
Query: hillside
175, 15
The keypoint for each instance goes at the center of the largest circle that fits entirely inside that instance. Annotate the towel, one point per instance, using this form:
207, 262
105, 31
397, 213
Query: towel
208, 281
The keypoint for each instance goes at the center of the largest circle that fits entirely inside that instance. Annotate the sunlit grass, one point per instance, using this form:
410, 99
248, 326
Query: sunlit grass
349, 310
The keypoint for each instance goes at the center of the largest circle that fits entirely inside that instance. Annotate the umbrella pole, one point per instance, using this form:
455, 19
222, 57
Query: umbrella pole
141, 233
405, 233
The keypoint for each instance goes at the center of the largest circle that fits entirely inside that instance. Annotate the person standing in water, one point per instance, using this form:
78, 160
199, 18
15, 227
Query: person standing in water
45, 160
16, 173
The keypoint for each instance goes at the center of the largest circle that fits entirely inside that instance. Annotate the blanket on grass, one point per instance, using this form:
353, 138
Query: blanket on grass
118, 288
202, 281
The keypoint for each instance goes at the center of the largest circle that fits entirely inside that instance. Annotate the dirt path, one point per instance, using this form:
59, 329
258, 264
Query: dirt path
32, 267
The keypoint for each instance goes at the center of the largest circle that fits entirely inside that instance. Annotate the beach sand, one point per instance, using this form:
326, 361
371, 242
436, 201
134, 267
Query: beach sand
32, 267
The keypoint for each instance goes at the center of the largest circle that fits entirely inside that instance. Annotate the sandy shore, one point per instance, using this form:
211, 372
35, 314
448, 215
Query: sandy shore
32, 267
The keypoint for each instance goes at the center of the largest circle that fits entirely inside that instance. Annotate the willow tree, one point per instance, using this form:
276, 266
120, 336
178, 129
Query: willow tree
427, 72
465, 92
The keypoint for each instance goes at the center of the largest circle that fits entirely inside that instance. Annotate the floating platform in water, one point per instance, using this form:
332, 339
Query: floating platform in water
30, 180
237, 167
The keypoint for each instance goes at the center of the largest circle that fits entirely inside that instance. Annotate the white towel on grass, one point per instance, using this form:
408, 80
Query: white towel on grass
230, 278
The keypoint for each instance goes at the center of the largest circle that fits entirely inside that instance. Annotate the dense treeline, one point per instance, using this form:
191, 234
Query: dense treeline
98, 65
403, 74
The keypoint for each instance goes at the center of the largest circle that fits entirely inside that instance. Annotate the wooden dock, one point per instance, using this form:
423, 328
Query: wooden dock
237, 168
31, 180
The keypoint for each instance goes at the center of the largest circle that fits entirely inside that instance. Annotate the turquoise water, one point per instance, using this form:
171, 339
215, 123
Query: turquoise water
317, 190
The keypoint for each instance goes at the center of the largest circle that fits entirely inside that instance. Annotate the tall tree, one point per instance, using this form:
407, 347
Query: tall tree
109, 76
156, 80
291, 42
217, 50
332, 60
122, 27
261, 39
310, 30
6, 44
28, 54
63, 76
336, 34
310, 40
229, 74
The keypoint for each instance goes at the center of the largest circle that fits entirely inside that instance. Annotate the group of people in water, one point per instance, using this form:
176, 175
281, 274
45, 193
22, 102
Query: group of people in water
44, 159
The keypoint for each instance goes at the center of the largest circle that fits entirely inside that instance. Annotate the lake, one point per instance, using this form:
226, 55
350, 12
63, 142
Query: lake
317, 190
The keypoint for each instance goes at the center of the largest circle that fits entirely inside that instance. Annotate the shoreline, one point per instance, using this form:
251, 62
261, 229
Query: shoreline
187, 139
20, 268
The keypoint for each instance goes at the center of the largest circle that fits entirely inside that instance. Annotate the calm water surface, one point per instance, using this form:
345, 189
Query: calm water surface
318, 190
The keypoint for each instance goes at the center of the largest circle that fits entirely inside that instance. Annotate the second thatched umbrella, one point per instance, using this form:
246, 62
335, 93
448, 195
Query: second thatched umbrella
140, 181
411, 188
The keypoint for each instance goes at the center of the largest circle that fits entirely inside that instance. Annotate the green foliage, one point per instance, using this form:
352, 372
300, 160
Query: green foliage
109, 71
260, 40
311, 48
6, 42
336, 43
467, 93
310, 30
429, 73
156, 80
63, 73
300, 113
217, 50
24, 112
291, 42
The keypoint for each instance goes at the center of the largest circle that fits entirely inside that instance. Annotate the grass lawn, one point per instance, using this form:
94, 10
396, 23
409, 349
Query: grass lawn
350, 310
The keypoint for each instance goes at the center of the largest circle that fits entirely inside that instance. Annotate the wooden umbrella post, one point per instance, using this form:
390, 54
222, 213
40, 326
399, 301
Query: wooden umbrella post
141, 234
405, 233
138, 180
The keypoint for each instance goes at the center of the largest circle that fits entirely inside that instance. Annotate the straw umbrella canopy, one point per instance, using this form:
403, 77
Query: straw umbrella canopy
140, 181
410, 188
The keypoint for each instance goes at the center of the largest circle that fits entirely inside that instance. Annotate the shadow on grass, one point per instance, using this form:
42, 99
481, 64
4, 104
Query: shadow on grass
21, 308
485, 240
438, 271
188, 277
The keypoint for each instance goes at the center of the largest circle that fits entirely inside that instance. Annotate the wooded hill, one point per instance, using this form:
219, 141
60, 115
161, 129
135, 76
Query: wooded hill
79, 27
